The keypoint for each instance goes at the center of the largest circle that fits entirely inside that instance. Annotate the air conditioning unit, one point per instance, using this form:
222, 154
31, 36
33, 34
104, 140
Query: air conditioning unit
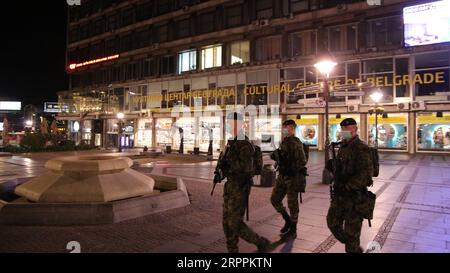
418, 105
291, 15
372, 49
186, 8
403, 106
155, 46
353, 108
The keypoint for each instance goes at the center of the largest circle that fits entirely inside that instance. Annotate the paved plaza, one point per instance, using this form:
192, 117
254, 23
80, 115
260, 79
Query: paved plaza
412, 213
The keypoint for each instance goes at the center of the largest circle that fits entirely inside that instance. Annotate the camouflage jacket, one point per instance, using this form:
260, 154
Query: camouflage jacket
292, 157
354, 167
239, 159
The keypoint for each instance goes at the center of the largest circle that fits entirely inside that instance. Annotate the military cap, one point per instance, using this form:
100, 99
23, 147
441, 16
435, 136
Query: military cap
289, 122
235, 116
348, 121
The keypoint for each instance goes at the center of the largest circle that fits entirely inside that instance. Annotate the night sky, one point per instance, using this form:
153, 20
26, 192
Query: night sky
32, 43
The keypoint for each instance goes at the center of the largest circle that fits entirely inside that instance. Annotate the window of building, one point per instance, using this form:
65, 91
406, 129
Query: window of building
142, 38
264, 9
84, 31
73, 35
127, 17
112, 22
433, 131
298, 5
402, 69
385, 32
149, 68
183, 28
240, 52
112, 46
167, 65
162, 33
380, 72
99, 26
206, 22
342, 37
256, 94
268, 48
97, 51
144, 11
126, 43
211, 57
233, 16
432, 73
303, 43
187, 61
163, 6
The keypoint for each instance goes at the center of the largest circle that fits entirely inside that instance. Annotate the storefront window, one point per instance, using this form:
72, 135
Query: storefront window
433, 131
163, 131
144, 133
307, 129
335, 126
392, 131
256, 94
210, 128
268, 133
188, 133
87, 130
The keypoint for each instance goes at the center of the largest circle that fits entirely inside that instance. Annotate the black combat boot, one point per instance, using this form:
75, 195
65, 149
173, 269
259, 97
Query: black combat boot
292, 234
287, 224
263, 245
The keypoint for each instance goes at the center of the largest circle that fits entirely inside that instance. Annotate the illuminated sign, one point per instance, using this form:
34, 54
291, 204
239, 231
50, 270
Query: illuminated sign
54, 107
427, 23
10, 105
101, 60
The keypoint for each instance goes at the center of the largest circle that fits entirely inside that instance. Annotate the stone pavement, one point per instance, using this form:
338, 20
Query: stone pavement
412, 213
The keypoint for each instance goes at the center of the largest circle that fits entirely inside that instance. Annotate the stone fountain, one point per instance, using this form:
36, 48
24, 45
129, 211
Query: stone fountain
88, 190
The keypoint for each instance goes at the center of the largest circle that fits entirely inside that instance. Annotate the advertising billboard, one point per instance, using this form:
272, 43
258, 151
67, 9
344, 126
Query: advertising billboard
427, 23
10, 105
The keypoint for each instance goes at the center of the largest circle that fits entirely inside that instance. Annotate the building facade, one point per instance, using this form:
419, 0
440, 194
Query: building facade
143, 58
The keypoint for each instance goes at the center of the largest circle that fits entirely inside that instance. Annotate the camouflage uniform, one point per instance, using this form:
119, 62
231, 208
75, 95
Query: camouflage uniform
236, 191
354, 171
290, 180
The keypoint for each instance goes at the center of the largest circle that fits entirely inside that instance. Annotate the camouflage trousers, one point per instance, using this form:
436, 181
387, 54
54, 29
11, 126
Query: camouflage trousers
345, 223
234, 205
286, 186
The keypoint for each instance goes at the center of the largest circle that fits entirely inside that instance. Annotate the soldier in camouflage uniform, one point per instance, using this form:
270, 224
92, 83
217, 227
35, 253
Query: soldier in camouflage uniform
239, 174
291, 179
353, 175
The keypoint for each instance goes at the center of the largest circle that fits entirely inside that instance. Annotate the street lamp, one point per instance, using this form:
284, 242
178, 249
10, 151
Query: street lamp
120, 117
325, 67
376, 97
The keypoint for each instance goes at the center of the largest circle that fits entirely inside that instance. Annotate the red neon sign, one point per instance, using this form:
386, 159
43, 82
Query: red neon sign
101, 60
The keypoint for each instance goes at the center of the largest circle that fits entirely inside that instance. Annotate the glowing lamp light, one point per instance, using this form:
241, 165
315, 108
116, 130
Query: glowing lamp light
120, 115
376, 96
76, 126
29, 123
325, 67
